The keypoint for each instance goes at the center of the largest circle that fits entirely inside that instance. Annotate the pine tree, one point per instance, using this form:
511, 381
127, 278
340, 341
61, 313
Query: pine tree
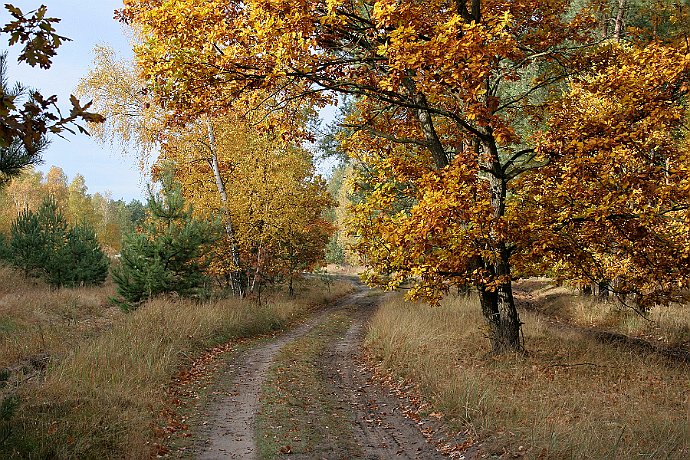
27, 242
42, 244
55, 259
87, 263
166, 254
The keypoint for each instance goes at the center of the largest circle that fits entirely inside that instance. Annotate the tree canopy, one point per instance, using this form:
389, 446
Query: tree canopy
231, 165
490, 135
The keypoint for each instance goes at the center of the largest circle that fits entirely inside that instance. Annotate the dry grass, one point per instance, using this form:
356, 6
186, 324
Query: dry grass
570, 397
665, 325
103, 398
298, 407
37, 321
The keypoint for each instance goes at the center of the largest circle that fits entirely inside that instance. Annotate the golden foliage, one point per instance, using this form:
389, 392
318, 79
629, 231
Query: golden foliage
275, 200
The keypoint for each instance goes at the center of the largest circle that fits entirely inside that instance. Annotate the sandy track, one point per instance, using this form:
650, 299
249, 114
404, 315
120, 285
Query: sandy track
232, 418
380, 429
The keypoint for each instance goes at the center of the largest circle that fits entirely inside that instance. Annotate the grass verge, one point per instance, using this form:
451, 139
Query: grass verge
105, 397
571, 397
299, 413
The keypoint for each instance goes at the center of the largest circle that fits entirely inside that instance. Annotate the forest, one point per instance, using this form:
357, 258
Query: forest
511, 180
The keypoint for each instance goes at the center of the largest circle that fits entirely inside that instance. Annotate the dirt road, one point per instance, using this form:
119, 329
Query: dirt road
373, 426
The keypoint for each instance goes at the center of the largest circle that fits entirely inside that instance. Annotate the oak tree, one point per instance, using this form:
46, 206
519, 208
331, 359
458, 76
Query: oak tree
452, 101
26, 116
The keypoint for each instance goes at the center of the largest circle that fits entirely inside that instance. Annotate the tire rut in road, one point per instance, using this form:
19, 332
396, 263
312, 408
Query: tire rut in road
230, 428
379, 428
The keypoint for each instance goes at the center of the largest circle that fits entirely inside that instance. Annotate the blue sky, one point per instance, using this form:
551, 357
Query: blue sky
87, 23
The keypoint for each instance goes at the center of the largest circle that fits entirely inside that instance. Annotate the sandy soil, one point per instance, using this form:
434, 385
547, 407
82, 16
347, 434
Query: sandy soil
380, 428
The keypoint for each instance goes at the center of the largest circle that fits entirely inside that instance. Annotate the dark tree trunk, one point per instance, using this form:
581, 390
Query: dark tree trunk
498, 305
603, 289
498, 308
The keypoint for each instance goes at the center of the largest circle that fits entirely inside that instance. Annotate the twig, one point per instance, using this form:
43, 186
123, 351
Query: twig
573, 365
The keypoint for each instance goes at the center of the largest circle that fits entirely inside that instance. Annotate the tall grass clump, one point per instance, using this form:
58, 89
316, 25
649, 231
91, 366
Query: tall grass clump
570, 397
36, 320
103, 399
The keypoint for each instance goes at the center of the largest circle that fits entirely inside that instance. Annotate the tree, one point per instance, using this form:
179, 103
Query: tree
87, 263
339, 247
616, 211
133, 117
343, 242
25, 191
14, 153
56, 185
236, 168
132, 120
136, 214
26, 243
452, 97
276, 206
26, 117
106, 217
52, 252
108, 221
5, 253
80, 207
42, 244
167, 254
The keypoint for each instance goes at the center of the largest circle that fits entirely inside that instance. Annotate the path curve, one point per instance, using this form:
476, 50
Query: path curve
230, 429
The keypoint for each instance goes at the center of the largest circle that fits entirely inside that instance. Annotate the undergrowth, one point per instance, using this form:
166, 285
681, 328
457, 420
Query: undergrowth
662, 325
36, 320
569, 397
101, 394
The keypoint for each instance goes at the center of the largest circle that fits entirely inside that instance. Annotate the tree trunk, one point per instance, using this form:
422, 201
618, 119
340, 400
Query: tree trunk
619, 25
498, 305
257, 270
603, 289
498, 308
237, 280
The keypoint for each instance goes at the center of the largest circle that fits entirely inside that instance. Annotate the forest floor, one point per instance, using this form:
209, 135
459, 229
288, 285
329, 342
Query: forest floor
326, 390
306, 394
